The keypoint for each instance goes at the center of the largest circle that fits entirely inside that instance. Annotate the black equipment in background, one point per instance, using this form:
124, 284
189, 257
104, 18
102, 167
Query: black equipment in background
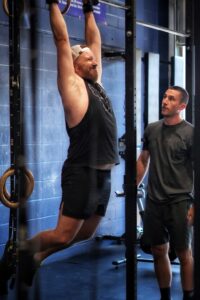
145, 247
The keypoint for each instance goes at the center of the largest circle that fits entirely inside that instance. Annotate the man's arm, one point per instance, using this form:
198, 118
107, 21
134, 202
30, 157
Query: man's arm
70, 85
61, 38
93, 38
191, 215
142, 165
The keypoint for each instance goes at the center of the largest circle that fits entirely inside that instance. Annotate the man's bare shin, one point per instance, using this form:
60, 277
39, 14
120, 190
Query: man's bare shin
163, 271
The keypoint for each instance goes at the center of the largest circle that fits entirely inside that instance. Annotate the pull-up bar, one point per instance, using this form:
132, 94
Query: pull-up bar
117, 4
163, 29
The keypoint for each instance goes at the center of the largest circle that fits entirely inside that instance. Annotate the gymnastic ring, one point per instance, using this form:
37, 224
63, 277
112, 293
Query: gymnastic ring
64, 6
6, 7
5, 196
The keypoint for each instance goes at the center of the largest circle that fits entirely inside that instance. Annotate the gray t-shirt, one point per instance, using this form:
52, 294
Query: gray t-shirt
171, 161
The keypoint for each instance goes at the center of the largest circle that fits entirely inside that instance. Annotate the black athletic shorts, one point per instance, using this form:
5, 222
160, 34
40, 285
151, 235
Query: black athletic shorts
167, 222
85, 191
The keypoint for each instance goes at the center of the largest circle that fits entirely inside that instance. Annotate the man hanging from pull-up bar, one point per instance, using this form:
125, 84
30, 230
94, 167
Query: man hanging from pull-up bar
91, 126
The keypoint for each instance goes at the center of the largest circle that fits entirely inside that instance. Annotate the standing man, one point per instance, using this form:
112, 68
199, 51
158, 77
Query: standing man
91, 126
167, 151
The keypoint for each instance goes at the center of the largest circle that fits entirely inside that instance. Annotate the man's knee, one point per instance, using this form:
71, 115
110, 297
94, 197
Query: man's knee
64, 238
160, 250
185, 256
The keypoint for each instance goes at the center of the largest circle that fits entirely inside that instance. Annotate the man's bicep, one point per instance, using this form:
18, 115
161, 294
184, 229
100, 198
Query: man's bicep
144, 157
142, 165
66, 77
96, 49
64, 61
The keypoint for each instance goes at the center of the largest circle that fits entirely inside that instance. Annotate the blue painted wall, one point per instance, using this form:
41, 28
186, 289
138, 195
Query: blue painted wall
45, 136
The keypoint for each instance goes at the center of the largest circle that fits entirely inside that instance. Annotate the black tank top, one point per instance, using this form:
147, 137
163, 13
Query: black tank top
94, 140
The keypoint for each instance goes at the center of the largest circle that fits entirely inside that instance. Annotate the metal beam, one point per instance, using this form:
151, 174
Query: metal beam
130, 151
190, 62
119, 5
163, 29
196, 49
116, 4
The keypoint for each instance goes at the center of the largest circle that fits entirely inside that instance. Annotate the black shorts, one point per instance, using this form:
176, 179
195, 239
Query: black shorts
167, 222
85, 191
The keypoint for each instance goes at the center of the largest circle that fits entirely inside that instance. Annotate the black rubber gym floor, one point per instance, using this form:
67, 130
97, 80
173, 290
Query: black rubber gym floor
86, 272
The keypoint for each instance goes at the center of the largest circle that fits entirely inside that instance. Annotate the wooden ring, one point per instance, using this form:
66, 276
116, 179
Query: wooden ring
6, 6
5, 197
64, 6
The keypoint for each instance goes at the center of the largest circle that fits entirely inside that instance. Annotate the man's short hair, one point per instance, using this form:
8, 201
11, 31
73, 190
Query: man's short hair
77, 50
184, 93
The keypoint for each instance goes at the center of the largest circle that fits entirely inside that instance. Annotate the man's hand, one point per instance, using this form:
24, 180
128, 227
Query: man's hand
95, 2
88, 5
51, 1
92, 2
